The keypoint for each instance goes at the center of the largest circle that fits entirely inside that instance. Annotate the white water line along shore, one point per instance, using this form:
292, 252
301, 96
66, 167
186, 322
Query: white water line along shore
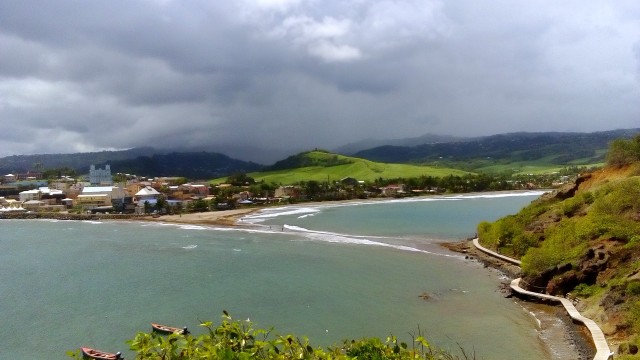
602, 348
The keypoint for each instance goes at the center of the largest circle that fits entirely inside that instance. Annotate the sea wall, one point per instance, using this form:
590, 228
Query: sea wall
65, 216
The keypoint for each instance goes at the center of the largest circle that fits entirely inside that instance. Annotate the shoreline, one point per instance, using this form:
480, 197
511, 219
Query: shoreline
231, 218
567, 338
228, 218
568, 335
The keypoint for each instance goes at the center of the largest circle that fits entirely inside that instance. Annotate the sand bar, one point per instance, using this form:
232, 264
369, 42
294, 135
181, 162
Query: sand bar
222, 217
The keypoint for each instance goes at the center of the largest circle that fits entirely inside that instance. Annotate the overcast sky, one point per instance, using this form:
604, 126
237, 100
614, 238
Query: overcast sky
298, 74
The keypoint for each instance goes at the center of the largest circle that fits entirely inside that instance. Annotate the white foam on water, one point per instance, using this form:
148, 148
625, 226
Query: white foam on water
190, 247
279, 211
331, 237
312, 210
192, 227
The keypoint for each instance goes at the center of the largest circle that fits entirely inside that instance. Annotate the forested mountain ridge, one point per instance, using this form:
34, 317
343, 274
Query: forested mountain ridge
139, 161
486, 154
79, 162
555, 148
192, 165
584, 240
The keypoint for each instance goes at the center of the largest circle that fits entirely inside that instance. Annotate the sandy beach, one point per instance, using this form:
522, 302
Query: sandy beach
223, 217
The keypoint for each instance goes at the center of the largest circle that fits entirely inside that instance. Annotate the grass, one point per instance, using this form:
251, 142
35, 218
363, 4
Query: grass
357, 168
359, 171
536, 167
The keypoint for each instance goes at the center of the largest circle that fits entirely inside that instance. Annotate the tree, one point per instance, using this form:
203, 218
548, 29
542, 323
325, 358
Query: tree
240, 179
624, 152
312, 189
162, 204
147, 207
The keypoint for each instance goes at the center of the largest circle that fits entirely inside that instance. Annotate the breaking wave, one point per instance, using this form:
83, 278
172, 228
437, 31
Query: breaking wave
332, 237
312, 210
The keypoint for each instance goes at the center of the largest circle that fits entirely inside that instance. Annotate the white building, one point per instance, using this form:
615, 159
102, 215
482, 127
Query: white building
147, 193
95, 196
100, 176
37, 194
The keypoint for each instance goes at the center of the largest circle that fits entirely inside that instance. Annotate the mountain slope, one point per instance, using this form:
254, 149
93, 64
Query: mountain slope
323, 166
473, 154
355, 147
585, 240
197, 165
77, 161
140, 161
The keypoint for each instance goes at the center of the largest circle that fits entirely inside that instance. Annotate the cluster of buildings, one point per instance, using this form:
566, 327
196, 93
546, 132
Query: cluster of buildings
132, 194
98, 194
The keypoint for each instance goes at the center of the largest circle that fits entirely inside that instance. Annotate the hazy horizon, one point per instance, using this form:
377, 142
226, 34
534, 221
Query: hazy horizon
259, 156
272, 77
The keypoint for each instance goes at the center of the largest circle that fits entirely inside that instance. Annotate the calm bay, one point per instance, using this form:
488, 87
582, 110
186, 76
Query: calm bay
326, 271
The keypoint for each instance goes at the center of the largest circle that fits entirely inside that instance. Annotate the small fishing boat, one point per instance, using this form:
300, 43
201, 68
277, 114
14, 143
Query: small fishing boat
89, 353
164, 329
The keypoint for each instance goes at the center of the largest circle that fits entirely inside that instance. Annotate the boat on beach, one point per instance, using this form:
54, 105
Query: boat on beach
89, 353
164, 329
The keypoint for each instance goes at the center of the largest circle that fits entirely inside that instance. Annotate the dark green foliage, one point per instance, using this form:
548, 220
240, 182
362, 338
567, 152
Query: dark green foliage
585, 291
192, 165
58, 172
139, 161
240, 179
633, 288
624, 152
556, 148
306, 159
199, 205
79, 162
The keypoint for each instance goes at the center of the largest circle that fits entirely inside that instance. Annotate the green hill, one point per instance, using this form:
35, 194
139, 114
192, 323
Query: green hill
585, 240
320, 165
515, 152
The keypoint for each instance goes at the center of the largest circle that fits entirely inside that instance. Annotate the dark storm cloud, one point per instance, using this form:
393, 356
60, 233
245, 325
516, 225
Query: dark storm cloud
288, 75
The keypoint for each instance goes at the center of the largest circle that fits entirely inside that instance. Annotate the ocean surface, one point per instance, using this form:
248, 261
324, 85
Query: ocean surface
328, 271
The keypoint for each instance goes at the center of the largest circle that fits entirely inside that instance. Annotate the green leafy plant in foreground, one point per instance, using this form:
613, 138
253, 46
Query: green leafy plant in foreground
239, 340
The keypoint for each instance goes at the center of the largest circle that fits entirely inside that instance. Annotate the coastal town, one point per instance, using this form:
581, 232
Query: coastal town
99, 193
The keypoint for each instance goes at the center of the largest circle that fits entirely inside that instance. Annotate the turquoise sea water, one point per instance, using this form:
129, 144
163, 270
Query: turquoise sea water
326, 271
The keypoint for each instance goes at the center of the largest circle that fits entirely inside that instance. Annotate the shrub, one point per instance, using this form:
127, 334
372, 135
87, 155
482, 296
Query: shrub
561, 245
624, 152
584, 290
633, 288
239, 340
522, 243
634, 315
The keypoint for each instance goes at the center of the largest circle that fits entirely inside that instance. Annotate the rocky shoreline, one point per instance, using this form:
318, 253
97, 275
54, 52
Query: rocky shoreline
569, 336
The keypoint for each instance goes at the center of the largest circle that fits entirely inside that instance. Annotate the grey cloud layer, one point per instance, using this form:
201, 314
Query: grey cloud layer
296, 74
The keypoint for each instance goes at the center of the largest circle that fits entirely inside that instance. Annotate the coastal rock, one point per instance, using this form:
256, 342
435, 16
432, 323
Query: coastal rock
561, 279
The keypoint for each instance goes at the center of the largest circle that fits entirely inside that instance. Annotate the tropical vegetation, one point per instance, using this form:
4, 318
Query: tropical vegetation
240, 340
585, 239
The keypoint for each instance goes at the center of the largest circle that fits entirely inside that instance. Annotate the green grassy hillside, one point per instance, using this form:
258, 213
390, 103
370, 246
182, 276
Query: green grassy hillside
322, 166
506, 153
585, 240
